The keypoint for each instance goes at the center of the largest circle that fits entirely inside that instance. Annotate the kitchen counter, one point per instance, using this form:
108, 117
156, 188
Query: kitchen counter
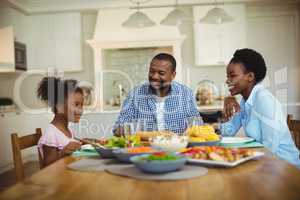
217, 106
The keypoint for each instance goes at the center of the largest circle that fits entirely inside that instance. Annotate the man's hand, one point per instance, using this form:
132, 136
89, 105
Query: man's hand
118, 132
71, 147
231, 106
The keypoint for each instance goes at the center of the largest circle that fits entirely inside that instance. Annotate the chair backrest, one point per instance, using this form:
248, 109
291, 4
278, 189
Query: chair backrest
20, 143
294, 126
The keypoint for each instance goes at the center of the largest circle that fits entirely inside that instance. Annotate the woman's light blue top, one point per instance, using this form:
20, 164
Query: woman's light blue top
262, 119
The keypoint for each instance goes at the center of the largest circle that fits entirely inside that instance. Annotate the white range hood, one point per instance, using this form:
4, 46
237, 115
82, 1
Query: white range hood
109, 34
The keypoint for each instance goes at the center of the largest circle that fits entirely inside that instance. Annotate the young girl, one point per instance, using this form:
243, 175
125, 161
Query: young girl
66, 100
259, 112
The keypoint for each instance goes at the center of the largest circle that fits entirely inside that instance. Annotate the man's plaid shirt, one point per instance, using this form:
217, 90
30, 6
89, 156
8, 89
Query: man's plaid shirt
140, 104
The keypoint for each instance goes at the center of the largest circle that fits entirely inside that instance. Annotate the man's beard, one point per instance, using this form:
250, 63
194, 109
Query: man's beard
160, 87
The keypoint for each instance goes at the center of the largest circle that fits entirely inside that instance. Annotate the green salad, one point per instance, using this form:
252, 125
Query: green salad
161, 156
121, 142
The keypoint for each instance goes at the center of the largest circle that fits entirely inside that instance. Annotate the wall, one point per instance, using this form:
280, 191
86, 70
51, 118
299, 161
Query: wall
280, 51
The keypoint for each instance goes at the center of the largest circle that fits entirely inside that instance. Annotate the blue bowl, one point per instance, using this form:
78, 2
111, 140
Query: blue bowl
158, 166
123, 156
106, 152
211, 143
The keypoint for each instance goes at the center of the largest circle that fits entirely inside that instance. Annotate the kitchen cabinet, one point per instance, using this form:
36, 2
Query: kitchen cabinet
67, 34
55, 42
40, 48
216, 43
52, 40
12, 24
7, 57
12, 17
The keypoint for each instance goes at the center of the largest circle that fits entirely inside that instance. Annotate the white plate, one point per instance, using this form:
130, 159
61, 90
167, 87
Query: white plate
87, 147
224, 163
236, 140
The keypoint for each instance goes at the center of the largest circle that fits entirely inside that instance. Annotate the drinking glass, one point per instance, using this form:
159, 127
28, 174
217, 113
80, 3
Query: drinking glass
194, 121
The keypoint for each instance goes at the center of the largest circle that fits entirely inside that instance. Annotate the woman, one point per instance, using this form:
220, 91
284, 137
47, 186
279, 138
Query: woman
259, 112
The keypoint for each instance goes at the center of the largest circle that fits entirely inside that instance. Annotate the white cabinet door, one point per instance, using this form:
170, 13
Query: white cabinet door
55, 42
7, 58
67, 33
16, 19
41, 49
216, 43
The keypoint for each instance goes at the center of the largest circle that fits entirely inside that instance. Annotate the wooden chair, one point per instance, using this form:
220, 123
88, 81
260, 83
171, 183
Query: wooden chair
294, 126
20, 143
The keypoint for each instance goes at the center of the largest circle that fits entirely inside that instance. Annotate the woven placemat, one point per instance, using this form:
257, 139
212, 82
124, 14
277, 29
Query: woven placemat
186, 172
95, 164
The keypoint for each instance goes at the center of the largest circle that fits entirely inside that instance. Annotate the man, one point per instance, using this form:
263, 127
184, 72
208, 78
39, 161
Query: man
162, 104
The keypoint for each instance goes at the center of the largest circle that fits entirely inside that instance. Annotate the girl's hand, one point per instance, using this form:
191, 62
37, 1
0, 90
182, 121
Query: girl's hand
71, 147
231, 106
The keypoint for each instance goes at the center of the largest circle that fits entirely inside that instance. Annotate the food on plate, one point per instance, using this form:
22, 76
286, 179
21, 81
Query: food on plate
121, 142
92, 140
159, 162
196, 139
106, 149
124, 155
169, 143
203, 133
145, 135
142, 149
217, 153
161, 156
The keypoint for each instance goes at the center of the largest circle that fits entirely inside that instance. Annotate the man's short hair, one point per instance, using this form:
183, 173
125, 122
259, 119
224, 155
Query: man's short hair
166, 57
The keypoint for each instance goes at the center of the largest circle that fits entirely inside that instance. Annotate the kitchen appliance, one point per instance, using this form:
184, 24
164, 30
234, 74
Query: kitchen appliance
20, 56
7, 105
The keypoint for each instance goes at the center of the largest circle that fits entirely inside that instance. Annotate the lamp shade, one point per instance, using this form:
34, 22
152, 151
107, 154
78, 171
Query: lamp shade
138, 20
216, 16
175, 18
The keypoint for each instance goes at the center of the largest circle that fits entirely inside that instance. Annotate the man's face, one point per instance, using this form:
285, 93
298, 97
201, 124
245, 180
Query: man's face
160, 74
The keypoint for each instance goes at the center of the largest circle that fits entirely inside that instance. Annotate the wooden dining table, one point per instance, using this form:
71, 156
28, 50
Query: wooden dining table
267, 178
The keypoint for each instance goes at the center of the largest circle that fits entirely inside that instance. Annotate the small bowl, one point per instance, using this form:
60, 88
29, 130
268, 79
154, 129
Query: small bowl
87, 148
158, 166
123, 156
106, 152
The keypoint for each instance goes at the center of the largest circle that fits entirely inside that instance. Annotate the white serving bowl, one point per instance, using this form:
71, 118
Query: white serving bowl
169, 144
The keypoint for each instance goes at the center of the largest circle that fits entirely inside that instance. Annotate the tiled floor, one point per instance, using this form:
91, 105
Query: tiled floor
7, 179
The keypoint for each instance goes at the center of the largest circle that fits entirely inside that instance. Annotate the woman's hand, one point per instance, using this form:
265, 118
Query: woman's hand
231, 106
71, 147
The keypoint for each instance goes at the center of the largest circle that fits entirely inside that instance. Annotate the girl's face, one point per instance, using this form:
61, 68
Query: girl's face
238, 79
73, 107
